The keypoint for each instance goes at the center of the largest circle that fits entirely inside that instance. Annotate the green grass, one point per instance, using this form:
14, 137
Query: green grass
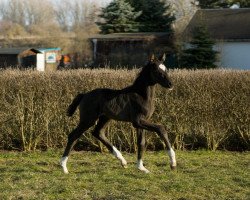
200, 175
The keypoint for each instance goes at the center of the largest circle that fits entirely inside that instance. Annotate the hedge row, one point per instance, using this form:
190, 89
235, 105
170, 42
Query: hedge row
207, 109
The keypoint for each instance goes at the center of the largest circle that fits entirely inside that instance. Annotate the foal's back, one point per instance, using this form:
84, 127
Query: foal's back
120, 105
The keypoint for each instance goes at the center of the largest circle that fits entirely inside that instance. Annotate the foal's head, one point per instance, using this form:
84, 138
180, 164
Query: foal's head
158, 71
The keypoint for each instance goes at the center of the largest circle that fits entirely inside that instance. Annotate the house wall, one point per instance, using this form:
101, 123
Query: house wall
7, 60
120, 53
235, 55
126, 53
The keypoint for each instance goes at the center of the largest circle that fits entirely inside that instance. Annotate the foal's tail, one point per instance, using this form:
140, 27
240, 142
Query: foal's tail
72, 107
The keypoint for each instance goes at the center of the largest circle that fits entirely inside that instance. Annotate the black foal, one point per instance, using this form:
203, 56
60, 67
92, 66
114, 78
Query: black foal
134, 104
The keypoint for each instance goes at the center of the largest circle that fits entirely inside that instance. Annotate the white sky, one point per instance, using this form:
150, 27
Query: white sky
101, 2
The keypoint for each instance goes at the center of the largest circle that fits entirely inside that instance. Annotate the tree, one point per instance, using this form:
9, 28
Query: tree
223, 3
26, 13
155, 15
183, 10
13, 11
208, 3
245, 3
76, 15
63, 15
119, 16
9, 29
201, 53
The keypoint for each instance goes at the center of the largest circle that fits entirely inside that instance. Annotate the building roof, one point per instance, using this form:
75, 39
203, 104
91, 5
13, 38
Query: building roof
16, 51
130, 36
49, 49
222, 24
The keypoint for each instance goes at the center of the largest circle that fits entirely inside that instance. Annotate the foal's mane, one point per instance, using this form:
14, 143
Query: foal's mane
141, 75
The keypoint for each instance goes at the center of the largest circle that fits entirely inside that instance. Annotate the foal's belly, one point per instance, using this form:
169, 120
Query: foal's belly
118, 109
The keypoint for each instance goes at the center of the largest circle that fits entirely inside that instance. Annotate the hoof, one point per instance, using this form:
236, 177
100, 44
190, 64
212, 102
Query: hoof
65, 170
146, 171
124, 163
125, 166
63, 163
173, 167
143, 169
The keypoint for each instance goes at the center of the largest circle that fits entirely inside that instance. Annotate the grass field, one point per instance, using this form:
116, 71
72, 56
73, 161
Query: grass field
200, 175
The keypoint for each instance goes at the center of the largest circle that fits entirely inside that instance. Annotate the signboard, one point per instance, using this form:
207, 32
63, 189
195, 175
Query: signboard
50, 57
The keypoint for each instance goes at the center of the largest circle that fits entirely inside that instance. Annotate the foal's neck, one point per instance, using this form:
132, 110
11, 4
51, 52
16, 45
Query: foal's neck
143, 86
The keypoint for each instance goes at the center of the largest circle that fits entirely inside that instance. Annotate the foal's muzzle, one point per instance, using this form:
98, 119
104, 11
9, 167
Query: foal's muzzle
170, 86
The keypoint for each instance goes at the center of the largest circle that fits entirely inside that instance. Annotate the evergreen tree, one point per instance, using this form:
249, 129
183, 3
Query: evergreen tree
223, 3
208, 3
155, 16
119, 16
201, 53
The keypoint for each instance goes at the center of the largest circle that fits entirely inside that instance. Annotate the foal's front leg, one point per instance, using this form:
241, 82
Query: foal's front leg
160, 130
141, 149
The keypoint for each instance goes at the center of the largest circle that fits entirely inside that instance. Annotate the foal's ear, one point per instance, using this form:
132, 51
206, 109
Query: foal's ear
152, 58
162, 58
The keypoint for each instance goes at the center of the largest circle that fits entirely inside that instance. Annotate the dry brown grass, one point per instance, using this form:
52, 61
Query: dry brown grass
207, 109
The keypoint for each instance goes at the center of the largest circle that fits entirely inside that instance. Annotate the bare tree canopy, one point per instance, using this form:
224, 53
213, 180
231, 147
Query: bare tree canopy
69, 15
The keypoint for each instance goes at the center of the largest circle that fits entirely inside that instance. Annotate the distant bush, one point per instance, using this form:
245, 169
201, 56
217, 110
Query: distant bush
207, 109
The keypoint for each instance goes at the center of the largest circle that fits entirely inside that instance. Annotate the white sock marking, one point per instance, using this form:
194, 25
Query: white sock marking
171, 154
141, 167
163, 67
119, 156
63, 163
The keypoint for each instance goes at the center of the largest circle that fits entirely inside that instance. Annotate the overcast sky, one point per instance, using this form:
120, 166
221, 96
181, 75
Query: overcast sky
101, 2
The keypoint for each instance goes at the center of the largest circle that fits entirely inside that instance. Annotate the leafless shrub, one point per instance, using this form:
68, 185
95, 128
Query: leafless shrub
207, 109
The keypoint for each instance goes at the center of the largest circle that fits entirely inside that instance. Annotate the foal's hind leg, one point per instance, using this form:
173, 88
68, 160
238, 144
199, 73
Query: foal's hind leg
99, 134
141, 149
72, 138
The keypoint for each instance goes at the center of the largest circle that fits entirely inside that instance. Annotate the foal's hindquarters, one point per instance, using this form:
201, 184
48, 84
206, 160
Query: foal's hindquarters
90, 115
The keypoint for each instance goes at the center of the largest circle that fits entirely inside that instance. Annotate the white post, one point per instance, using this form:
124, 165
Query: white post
95, 47
40, 62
